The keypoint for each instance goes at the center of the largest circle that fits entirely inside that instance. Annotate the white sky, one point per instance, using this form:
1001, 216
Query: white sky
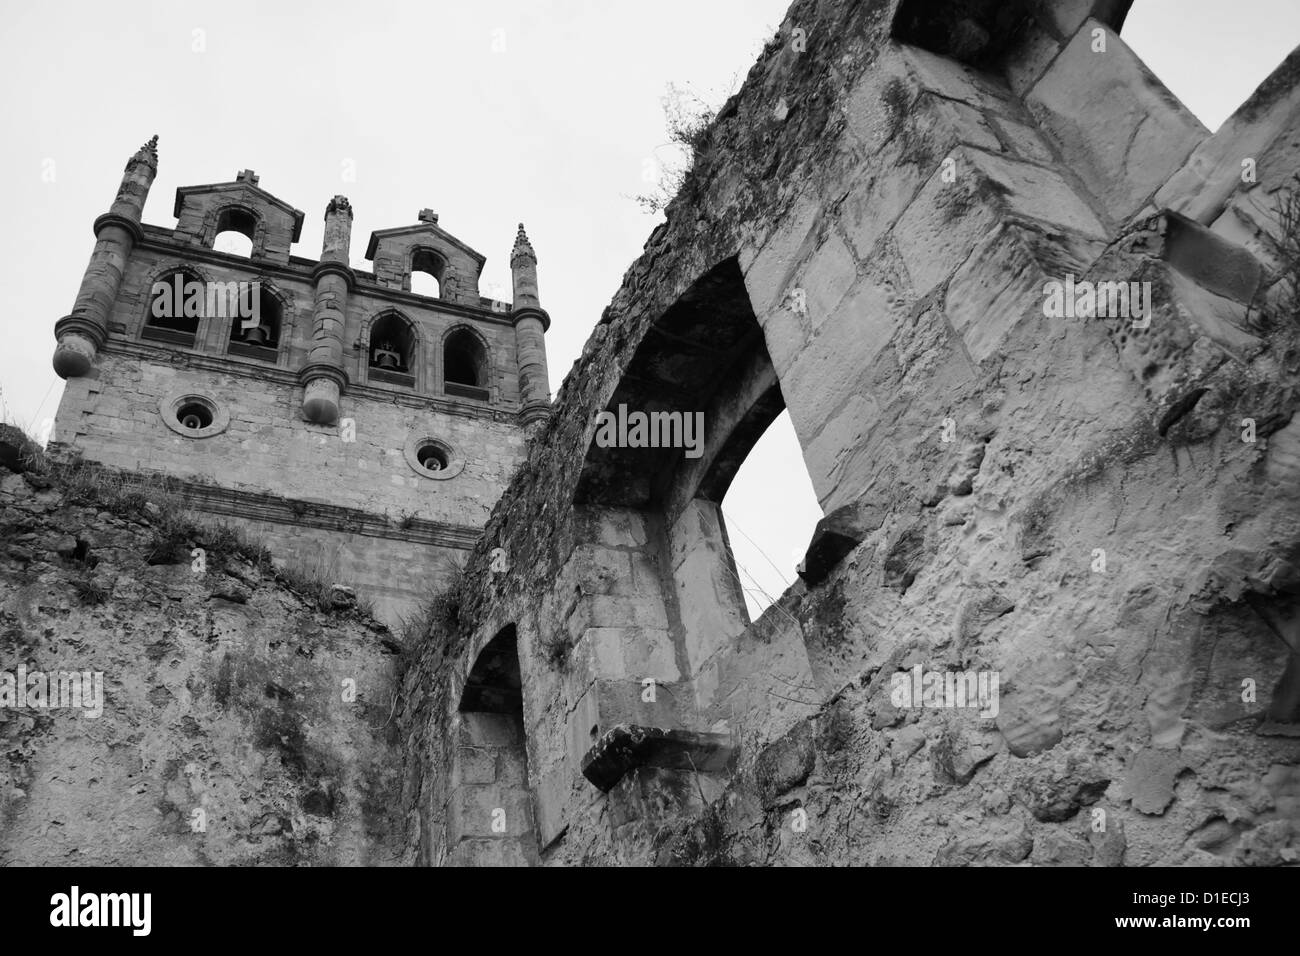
554, 130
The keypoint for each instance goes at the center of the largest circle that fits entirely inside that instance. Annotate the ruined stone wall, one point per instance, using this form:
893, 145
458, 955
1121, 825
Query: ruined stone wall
229, 733
1100, 512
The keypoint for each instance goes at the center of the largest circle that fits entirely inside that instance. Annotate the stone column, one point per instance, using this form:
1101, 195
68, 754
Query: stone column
323, 377
85, 329
531, 322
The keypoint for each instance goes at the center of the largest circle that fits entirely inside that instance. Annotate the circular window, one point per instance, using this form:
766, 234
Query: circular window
432, 458
193, 415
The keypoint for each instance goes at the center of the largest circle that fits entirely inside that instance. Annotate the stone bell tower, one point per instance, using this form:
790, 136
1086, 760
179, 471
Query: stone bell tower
356, 422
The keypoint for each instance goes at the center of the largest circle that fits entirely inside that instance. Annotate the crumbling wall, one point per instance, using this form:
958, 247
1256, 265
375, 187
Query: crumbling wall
241, 722
1099, 511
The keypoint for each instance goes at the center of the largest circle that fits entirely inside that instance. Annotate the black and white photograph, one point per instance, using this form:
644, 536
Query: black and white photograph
848, 435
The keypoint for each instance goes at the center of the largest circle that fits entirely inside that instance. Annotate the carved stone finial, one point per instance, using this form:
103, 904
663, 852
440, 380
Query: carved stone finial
148, 153
523, 248
339, 205
428, 215
247, 176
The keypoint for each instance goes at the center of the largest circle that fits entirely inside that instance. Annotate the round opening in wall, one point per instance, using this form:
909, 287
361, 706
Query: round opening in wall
194, 417
432, 458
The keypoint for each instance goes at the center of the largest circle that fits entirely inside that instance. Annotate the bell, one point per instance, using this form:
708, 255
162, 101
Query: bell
192, 422
386, 360
257, 335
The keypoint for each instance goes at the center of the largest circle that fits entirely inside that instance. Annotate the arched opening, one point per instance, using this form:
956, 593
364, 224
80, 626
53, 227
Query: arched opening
490, 818
257, 335
767, 543
465, 366
427, 270
235, 231
689, 411
177, 303
392, 351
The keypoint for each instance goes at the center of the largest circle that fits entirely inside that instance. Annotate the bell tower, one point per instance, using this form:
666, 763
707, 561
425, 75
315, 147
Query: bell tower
346, 417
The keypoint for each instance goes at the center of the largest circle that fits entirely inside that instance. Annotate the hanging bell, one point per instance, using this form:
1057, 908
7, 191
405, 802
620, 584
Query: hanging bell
192, 422
387, 360
257, 335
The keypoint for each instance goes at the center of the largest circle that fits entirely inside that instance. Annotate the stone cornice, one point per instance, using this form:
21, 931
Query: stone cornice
340, 269
259, 506
323, 370
113, 219
81, 325
535, 412
531, 312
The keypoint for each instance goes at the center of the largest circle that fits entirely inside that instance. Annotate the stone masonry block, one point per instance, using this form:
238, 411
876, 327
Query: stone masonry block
956, 81
998, 286
474, 765
1123, 131
488, 730
474, 811
1036, 193
942, 225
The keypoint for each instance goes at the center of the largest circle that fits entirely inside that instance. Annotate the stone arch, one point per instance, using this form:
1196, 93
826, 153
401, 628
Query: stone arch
237, 217
465, 353
706, 354
276, 307
682, 604
194, 333
490, 819
426, 259
393, 328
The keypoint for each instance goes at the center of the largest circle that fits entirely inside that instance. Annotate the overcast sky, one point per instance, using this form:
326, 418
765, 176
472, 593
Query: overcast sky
490, 112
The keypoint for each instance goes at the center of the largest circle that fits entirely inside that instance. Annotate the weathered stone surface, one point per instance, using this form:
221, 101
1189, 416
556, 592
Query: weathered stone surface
1101, 513
623, 748
835, 536
234, 737
1105, 108
786, 764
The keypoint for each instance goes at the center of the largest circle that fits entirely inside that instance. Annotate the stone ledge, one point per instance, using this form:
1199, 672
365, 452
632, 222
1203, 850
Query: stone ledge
626, 747
836, 536
1209, 260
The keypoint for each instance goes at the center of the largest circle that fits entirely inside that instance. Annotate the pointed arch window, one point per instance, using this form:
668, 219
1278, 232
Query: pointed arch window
177, 304
392, 351
465, 366
427, 271
235, 232
258, 336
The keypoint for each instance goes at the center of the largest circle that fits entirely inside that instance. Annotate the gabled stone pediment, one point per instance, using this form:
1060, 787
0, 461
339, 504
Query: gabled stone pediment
434, 235
242, 193
271, 223
426, 247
